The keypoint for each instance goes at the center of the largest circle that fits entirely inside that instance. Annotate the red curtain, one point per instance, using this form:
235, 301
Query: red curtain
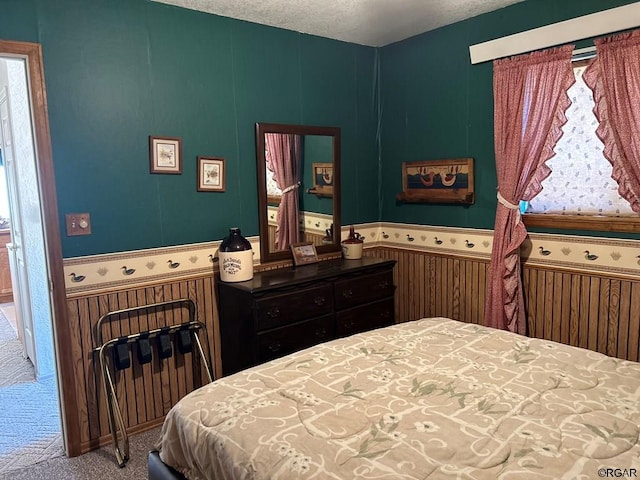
283, 159
614, 77
530, 100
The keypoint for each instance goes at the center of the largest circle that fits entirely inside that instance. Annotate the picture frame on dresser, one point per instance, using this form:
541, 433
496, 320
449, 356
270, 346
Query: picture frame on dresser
304, 253
165, 155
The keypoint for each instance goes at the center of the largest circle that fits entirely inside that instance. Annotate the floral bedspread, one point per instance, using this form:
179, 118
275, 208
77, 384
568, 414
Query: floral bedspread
428, 399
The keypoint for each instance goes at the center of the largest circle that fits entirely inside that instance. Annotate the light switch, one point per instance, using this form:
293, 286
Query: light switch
78, 224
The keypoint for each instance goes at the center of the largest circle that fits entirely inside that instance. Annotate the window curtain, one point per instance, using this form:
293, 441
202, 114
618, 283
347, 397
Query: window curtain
614, 78
530, 100
283, 159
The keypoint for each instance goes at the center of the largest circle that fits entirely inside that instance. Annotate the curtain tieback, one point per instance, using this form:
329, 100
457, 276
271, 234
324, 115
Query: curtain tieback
291, 187
505, 203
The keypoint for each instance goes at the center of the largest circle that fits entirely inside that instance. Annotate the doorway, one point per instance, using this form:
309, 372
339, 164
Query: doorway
25, 251
39, 232
29, 388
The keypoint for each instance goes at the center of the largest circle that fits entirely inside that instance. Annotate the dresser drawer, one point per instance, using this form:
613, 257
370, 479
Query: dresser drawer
284, 340
283, 310
363, 289
365, 317
292, 306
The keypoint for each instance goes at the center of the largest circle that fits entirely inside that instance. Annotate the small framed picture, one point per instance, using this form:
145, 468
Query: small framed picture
211, 174
165, 155
304, 253
323, 179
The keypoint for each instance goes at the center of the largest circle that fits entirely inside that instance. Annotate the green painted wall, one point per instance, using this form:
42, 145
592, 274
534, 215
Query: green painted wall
118, 71
317, 149
437, 105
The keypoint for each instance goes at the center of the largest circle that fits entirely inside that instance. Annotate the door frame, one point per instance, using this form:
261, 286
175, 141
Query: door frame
32, 53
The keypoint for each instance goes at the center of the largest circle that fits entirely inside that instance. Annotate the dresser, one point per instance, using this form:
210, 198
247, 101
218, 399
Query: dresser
284, 310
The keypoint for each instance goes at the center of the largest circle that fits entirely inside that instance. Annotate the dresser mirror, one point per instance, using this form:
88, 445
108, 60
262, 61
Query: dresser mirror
298, 183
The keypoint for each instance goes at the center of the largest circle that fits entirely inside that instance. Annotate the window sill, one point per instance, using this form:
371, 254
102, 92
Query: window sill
601, 223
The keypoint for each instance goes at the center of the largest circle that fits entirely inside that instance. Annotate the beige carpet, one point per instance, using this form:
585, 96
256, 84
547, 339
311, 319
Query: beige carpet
9, 312
14, 368
30, 439
96, 465
29, 412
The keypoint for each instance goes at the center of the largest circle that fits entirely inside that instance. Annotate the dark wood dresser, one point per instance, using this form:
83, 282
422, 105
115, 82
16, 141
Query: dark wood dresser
284, 310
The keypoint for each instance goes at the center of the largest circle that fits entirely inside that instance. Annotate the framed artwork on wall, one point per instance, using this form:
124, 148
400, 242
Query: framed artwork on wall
322, 179
438, 181
211, 174
165, 155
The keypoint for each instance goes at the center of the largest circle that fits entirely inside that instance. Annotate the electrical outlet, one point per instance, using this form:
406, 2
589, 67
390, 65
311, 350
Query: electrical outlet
78, 224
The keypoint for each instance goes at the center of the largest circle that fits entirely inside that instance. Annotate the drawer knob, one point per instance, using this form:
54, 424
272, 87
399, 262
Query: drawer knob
273, 313
383, 284
321, 333
347, 293
274, 347
319, 301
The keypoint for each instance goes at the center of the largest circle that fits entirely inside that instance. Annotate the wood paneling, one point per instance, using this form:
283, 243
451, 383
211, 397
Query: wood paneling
145, 392
583, 309
594, 311
431, 285
314, 238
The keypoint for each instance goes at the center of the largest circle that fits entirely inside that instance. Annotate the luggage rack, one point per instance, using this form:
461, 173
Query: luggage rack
185, 335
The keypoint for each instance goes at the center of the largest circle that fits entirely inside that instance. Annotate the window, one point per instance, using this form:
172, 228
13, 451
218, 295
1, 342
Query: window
580, 193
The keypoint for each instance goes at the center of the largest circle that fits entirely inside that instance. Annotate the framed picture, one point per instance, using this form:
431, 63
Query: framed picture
211, 174
438, 181
165, 155
322, 179
304, 253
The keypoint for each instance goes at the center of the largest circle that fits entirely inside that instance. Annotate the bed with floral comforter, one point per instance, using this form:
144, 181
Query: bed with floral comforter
428, 399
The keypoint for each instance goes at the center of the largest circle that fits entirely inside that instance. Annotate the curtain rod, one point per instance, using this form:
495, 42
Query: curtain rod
568, 31
583, 53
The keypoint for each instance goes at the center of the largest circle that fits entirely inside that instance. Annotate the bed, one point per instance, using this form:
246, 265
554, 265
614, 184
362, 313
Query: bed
432, 398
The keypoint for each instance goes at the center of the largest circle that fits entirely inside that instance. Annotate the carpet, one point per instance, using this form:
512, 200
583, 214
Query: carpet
14, 368
7, 331
29, 410
98, 464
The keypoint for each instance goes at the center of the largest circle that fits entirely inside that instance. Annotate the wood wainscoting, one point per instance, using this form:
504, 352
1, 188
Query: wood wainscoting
145, 392
435, 285
596, 311
600, 312
314, 238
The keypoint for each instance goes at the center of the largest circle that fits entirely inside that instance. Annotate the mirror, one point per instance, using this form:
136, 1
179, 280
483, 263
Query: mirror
298, 182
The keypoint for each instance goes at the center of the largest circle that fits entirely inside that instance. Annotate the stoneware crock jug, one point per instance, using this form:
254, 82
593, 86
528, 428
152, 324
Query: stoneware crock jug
236, 258
352, 246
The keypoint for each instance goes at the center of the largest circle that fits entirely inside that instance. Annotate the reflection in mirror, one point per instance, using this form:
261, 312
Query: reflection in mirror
298, 187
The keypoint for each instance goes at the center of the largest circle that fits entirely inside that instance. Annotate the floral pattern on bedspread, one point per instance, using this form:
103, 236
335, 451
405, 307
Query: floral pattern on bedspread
433, 398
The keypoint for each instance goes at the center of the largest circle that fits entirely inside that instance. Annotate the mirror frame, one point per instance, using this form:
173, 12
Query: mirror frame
261, 129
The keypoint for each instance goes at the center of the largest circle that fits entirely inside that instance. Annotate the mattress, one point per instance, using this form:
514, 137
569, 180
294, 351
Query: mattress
432, 398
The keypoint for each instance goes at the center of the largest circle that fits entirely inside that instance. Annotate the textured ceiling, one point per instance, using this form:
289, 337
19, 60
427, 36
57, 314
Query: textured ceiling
365, 22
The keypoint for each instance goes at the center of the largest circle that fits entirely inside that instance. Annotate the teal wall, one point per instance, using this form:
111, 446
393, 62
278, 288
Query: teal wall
437, 105
317, 149
118, 71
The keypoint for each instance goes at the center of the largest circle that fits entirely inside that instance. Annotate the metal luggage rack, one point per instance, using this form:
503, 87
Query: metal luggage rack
185, 335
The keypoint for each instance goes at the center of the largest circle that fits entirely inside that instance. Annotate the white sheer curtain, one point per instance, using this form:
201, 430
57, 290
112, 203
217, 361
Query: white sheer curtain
580, 182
